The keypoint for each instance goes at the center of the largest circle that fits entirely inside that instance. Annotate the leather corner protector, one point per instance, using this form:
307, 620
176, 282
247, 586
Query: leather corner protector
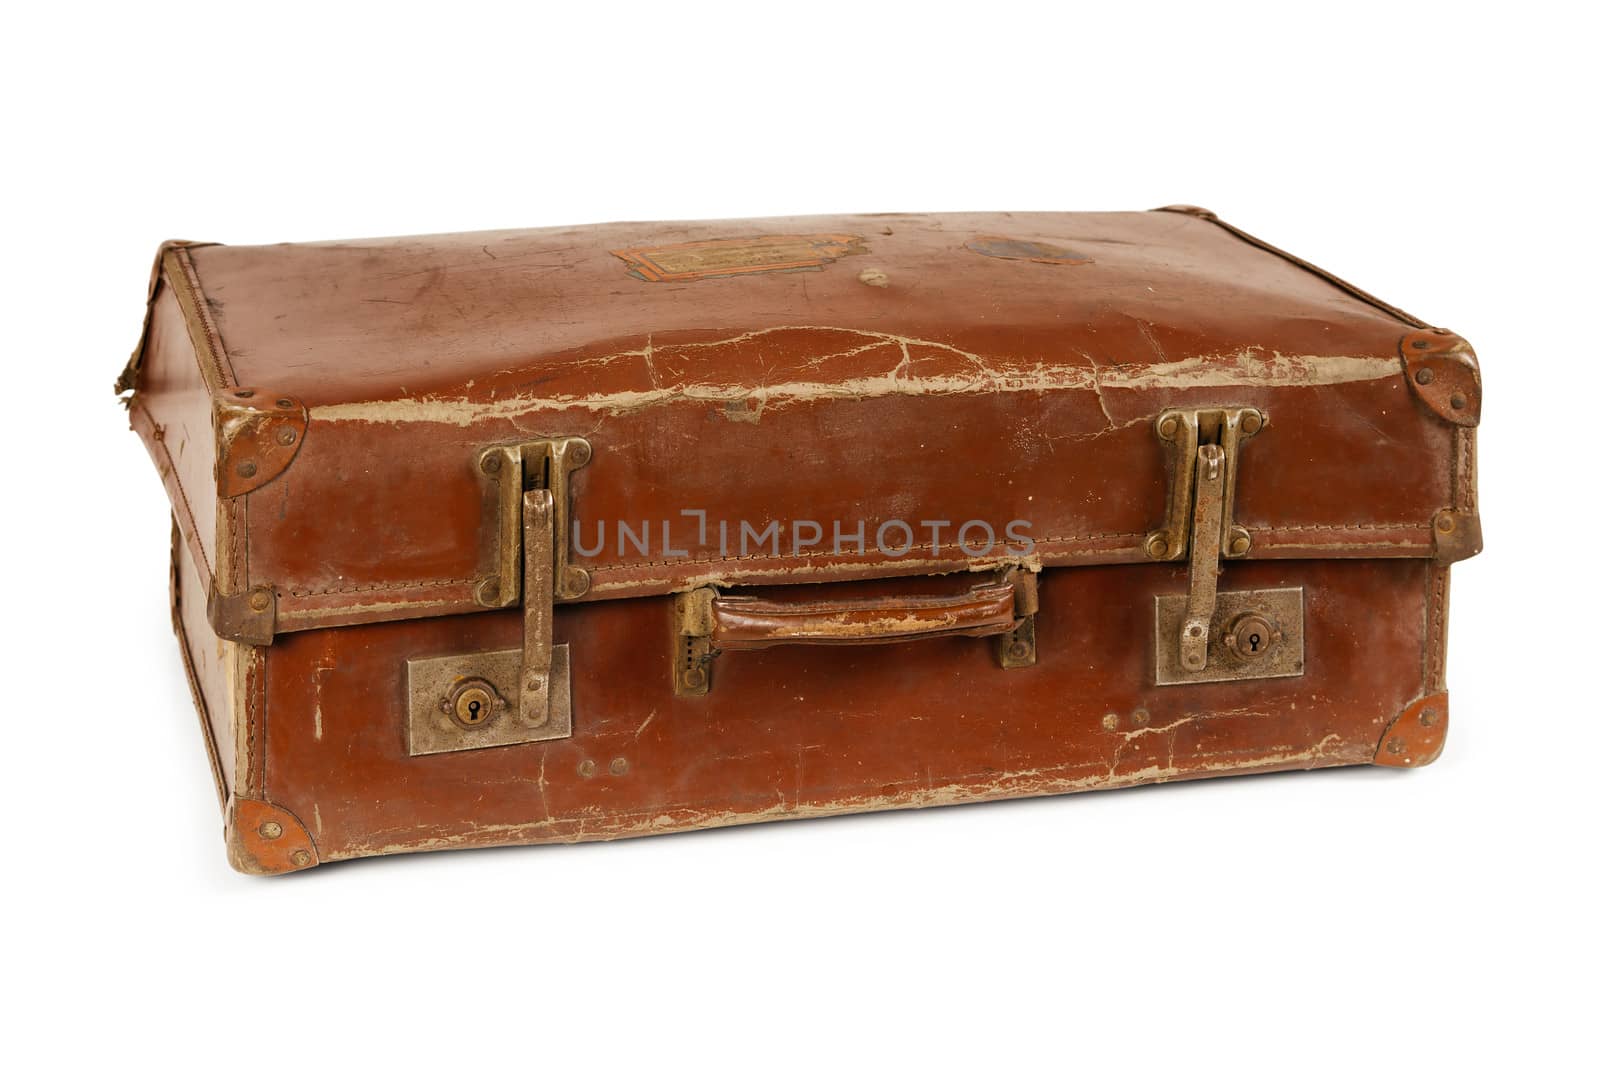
1457, 535
1416, 736
250, 616
1443, 372
258, 436
1189, 209
266, 839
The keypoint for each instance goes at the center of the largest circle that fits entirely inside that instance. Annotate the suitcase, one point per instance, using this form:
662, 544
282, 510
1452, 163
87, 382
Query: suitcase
600, 531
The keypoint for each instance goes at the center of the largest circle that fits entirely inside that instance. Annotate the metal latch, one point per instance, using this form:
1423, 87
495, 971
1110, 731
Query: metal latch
1212, 636
511, 696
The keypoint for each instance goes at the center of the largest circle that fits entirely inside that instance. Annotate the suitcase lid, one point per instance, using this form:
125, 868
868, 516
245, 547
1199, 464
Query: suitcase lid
897, 393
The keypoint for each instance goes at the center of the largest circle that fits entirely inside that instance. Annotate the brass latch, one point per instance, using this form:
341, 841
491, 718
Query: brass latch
1209, 636
510, 696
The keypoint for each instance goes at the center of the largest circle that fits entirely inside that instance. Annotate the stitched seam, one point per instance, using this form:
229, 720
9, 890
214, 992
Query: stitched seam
704, 561
1348, 526
218, 354
252, 722
376, 586
1467, 476
1436, 626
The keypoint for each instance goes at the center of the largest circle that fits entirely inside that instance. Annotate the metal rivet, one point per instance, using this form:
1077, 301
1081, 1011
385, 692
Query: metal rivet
1396, 747
1168, 427
1458, 400
244, 394
270, 830
1444, 523
491, 463
1240, 544
535, 684
285, 402
1141, 718
488, 591
260, 600
300, 857
1019, 650
578, 453
619, 766
1419, 343
1430, 716
1156, 546
586, 768
1250, 422
1424, 376
694, 677
246, 468
1109, 722
287, 435
577, 582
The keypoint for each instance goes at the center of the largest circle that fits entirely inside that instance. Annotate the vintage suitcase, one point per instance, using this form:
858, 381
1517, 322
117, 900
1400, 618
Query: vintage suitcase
566, 534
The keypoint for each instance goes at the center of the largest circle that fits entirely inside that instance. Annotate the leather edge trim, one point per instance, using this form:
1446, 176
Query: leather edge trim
178, 266
128, 380
213, 754
1311, 268
264, 838
1416, 736
154, 439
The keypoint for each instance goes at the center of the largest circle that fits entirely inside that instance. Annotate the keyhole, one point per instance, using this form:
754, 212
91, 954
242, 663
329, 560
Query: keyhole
1255, 642
472, 704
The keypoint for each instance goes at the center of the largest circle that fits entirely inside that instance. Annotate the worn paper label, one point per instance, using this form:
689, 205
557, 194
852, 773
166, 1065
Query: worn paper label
1032, 251
729, 256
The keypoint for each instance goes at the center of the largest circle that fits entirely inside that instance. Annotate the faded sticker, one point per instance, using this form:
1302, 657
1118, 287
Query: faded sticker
728, 256
1032, 251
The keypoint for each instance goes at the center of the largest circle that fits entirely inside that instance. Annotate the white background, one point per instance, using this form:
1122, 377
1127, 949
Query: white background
1438, 156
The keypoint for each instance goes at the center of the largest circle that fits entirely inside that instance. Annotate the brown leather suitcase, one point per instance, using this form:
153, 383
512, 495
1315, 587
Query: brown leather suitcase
565, 534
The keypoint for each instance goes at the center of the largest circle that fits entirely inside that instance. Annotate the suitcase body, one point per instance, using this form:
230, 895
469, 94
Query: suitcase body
572, 534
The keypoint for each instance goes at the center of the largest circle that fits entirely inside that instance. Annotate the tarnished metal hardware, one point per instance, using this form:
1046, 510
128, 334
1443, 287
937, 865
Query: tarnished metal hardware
1215, 638
1184, 432
432, 727
692, 651
1457, 535
473, 702
695, 626
1204, 551
512, 471
1251, 635
458, 702
250, 617
1276, 617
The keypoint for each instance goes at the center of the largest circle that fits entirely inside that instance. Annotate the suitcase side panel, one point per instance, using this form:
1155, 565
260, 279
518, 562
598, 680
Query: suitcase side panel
803, 731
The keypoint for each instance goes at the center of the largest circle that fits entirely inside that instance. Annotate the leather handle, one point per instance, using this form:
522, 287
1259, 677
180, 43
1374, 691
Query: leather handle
749, 622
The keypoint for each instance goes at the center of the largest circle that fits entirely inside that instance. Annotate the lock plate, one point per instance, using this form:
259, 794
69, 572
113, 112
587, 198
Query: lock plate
431, 682
1285, 656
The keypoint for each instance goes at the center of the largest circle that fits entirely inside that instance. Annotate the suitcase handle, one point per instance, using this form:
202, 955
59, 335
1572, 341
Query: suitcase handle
710, 623
740, 623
